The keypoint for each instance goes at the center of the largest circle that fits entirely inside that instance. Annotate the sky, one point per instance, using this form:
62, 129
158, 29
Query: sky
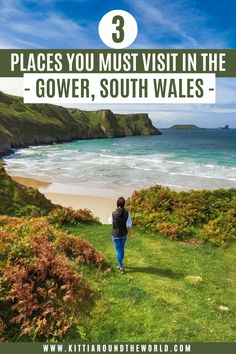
167, 24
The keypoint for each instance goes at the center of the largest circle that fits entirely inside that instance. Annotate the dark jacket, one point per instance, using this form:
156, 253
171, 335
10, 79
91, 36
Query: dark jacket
119, 219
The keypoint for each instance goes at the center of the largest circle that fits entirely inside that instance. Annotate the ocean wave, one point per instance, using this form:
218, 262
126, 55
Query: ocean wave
105, 162
115, 156
141, 168
176, 162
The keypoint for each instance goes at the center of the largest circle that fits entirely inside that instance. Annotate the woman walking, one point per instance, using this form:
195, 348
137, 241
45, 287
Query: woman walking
121, 227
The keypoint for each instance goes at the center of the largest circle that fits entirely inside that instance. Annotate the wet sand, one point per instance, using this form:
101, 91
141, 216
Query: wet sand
30, 182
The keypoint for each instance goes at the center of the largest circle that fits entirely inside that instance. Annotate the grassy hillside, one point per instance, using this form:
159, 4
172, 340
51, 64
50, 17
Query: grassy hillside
16, 199
58, 276
171, 292
31, 124
156, 300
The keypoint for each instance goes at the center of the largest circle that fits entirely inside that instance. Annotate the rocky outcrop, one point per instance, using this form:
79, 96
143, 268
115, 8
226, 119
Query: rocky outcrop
22, 124
185, 127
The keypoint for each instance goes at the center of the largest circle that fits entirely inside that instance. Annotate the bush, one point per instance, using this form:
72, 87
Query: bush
41, 292
80, 250
221, 230
70, 216
178, 215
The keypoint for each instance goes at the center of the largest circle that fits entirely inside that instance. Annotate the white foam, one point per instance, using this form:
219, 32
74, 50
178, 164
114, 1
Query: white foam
176, 162
101, 165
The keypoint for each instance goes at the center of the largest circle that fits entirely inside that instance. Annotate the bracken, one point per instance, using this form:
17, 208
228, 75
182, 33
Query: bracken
41, 291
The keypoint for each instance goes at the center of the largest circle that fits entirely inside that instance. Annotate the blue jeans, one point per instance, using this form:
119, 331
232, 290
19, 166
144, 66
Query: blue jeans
119, 244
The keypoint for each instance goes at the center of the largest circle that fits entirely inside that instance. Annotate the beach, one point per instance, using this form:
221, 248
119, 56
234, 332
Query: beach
94, 173
101, 207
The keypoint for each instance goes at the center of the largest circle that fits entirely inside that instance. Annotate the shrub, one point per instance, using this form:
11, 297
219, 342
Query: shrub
221, 230
80, 250
41, 292
70, 216
178, 215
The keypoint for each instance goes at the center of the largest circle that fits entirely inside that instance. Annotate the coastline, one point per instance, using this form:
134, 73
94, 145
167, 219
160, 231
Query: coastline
93, 177
100, 206
201, 159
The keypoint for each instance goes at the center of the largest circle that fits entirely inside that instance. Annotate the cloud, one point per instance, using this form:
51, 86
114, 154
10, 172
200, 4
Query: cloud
12, 85
162, 24
44, 27
225, 91
154, 16
177, 24
5, 44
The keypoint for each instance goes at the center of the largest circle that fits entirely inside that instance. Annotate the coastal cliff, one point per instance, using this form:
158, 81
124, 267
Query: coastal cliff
22, 124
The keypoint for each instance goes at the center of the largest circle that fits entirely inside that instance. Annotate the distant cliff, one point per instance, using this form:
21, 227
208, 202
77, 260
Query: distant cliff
22, 124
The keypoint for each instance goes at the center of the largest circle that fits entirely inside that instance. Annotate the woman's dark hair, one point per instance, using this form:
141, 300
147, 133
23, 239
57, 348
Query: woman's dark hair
120, 202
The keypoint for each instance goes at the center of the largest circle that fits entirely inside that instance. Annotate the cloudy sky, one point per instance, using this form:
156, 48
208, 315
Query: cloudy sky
162, 24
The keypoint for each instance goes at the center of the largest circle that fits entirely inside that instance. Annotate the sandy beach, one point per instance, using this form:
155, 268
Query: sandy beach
30, 182
100, 206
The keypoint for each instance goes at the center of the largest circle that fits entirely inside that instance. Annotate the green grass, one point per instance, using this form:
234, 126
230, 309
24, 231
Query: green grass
153, 301
16, 199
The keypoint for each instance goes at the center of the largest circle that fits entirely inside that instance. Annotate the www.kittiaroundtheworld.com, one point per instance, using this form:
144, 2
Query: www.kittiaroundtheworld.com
117, 348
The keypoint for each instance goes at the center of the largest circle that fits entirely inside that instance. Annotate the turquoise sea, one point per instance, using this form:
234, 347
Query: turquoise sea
179, 159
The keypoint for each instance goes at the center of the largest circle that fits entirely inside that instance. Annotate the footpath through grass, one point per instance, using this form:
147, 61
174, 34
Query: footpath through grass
153, 301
